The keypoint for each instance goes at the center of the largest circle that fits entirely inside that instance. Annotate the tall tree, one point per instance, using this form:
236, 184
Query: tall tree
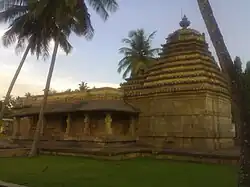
83, 86
246, 79
38, 31
24, 29
238, 95
246, 83
64, 16
138, 54
238, 65
247, 67
236, 115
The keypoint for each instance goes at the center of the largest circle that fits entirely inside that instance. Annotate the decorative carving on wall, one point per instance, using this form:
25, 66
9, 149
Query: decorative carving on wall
68, 121
86, 124
108, 123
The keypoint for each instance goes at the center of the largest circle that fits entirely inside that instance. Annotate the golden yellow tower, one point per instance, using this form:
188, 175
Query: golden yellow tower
184, 98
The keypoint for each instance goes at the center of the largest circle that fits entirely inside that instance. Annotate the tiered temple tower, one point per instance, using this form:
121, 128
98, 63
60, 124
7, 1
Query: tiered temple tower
184, 98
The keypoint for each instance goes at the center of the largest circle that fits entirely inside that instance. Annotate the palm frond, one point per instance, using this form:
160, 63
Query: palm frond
124, 63
127, 72
126, 41
154, 51
102, 7
21, 45
64, 44
15, 29
126, 51
9, 37
5, 4
37, 22
151, 36
81, 24
138, 54
13, 12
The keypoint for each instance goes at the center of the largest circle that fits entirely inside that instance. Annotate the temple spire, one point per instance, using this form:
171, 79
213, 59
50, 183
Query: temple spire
184, 23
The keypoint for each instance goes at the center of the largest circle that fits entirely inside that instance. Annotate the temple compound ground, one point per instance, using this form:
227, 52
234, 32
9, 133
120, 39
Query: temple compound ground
61, 171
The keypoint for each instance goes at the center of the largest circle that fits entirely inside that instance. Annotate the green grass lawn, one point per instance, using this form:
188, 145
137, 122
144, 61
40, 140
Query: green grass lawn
142, 172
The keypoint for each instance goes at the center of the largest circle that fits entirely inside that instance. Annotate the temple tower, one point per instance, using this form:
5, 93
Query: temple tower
184, 98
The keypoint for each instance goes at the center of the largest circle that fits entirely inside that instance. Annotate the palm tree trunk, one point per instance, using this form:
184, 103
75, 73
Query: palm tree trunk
7, 97
224, 57
226, 64
34, 148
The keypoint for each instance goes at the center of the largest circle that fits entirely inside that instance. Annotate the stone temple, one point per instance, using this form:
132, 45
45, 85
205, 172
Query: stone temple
181, 102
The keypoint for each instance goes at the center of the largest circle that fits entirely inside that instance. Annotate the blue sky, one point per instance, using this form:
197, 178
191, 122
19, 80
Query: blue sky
96, 61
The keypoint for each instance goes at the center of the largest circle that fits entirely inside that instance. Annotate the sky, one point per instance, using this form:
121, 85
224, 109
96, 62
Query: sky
96, 61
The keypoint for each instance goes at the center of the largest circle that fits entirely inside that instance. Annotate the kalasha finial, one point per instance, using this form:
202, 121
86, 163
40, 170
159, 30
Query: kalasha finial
184, 23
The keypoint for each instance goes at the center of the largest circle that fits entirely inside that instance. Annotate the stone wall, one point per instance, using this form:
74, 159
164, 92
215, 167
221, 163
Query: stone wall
201, 121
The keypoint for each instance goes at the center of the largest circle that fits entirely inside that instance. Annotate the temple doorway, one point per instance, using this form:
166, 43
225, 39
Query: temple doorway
64, 123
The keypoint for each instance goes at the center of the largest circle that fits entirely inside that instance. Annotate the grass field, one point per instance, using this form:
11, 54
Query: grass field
55, 171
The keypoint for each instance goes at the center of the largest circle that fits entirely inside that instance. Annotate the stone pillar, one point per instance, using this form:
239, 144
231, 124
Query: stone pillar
16, 130
108, 124
69, 120
86, 129
132, 125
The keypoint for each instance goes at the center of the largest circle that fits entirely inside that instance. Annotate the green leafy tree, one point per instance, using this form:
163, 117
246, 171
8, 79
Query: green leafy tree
238, 65
83, 86
246, 85
138, 54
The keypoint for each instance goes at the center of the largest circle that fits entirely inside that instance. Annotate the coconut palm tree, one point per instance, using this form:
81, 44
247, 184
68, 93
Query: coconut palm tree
238, 95
63, 16
38, 31
221, 50
22, 31
139, 54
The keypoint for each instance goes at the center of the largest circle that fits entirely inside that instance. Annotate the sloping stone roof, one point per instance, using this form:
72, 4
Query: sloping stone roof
90, 105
